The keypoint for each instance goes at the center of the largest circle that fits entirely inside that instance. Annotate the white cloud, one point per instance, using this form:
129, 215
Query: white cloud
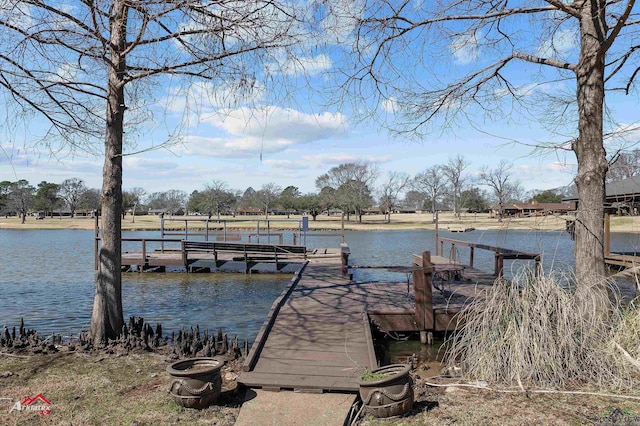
623, 136
279, 123
338, 27
137, 164
562, 42
204, 97
390, 105
465, 48
544, 175
335, 159
18, 15
311, 65
235, 147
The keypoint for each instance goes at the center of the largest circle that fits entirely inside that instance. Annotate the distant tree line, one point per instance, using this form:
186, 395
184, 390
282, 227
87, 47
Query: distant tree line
353, 188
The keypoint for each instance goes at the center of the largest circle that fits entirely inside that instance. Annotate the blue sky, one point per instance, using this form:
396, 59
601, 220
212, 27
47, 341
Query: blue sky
322, 142
293, 142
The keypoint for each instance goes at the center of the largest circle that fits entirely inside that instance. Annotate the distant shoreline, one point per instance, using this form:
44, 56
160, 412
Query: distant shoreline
400, 221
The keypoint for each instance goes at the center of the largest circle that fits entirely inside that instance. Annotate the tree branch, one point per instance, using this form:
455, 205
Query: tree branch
618, 27
544, 61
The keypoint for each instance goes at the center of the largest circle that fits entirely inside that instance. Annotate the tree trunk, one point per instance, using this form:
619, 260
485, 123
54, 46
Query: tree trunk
590, 152
107, 318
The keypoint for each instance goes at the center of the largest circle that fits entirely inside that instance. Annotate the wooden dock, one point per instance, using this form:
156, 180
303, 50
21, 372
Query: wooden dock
213, 256
318, 334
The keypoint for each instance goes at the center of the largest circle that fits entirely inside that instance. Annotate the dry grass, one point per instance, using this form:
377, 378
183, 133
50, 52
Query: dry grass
94, 389
533, 332
626, 336
471, 407
370, 222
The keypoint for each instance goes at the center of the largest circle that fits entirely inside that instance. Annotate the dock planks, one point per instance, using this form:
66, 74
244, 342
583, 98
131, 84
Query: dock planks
316, 337
319, 339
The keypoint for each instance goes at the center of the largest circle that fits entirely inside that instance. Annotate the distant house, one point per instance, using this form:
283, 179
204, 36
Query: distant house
249, 211
533, 208
621, 197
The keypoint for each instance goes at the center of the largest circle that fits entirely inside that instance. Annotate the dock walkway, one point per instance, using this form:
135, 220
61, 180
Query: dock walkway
321, 338
318, 334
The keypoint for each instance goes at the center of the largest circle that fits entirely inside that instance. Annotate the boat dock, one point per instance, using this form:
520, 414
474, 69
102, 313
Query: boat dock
215, 256
318, 334
209, 245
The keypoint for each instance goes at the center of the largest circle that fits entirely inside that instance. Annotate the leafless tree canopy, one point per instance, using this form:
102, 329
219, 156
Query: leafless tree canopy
55, 59
423, 65
431, 181
433, 63
501, 183
454, 172
390, 191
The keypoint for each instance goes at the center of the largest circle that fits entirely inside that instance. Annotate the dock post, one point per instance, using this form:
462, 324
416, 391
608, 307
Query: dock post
499, 265
607, 234
344, 255
437, 233
422, 282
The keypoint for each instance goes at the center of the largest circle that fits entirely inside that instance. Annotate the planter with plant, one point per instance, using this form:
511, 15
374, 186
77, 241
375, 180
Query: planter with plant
387, 391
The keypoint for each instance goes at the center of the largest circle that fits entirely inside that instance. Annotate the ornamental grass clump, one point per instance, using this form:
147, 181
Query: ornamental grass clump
542, 332
626, 337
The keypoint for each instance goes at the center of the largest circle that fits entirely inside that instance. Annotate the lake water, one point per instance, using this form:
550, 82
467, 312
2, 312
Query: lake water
47, 277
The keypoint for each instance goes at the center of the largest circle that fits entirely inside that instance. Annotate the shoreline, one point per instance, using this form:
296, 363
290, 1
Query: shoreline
400, 221
407, 221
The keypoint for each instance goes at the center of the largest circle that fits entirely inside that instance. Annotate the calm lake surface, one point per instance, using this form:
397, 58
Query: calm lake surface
47, 277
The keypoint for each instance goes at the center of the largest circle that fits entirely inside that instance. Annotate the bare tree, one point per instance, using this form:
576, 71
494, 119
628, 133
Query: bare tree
136, 195
399, 50
220, 196
431, 181
624, 165
71, 191
390, 191
453, 171
267, 196
500, 182
20, 198
92, 68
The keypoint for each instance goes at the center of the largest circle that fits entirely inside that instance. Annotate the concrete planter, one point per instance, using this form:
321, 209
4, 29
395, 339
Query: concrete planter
196, 381
389, 396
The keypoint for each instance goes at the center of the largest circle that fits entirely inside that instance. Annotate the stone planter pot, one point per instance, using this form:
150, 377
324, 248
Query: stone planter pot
196, 381
389, 396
